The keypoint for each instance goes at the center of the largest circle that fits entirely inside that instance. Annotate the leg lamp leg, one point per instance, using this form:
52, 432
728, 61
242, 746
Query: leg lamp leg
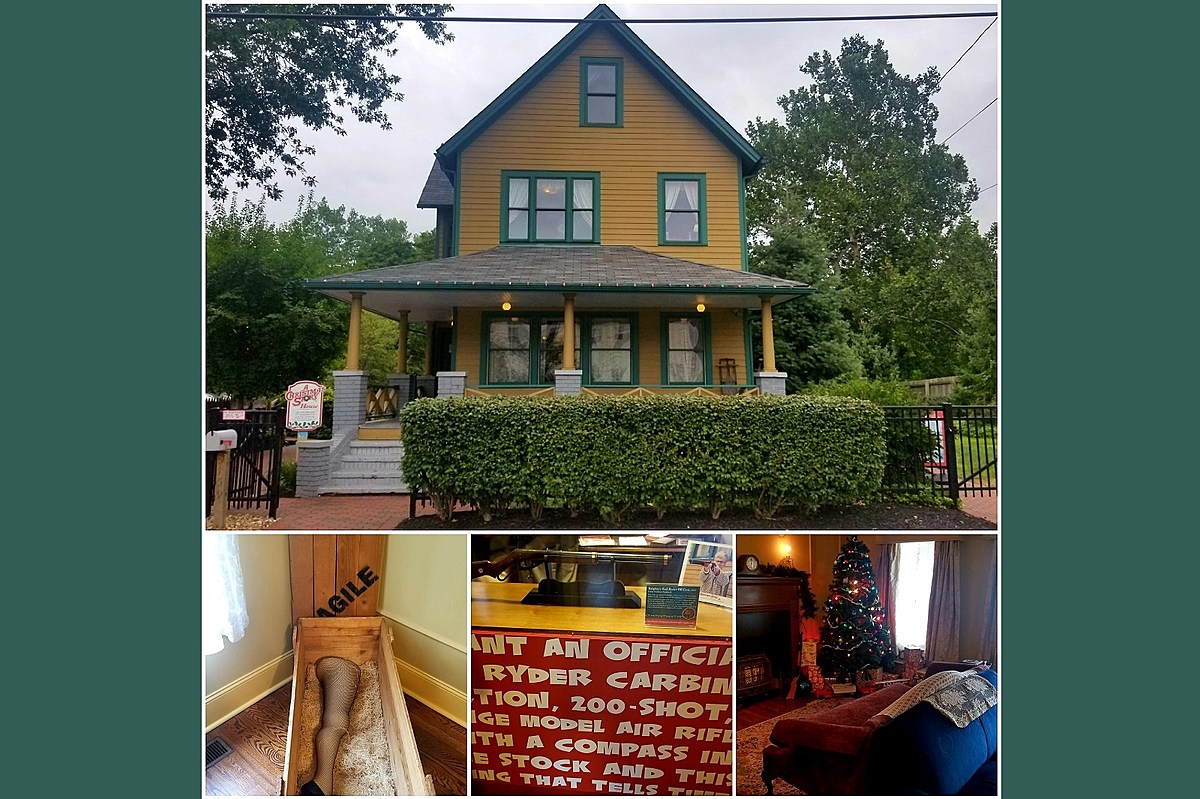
339, 684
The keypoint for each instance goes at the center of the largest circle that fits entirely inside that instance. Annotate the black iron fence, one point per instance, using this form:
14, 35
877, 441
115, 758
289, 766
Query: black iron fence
254, 467
949, 449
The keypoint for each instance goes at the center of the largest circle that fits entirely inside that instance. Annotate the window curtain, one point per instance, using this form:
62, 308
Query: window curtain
987, 636
224, 599
581, 201
941, 637
887, 569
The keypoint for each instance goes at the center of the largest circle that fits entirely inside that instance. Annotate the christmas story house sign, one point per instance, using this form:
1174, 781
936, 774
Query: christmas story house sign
305, 406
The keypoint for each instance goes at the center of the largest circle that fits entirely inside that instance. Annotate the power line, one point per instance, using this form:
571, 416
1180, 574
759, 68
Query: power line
994, 185
552, 20
968, 122
960, 58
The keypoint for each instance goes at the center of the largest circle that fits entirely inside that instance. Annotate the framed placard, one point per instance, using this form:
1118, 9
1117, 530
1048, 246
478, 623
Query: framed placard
710, 567
670, 605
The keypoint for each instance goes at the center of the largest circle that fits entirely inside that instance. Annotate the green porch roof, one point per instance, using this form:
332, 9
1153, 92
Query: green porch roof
611, 276
603, 15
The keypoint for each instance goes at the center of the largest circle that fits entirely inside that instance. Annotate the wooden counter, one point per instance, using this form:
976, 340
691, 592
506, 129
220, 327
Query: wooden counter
498, 606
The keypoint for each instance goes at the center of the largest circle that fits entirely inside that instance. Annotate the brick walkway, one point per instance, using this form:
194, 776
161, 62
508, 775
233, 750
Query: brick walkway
345, 512
984, 507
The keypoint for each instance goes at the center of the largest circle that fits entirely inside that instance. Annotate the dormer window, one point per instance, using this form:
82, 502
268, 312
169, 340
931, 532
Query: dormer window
600, 92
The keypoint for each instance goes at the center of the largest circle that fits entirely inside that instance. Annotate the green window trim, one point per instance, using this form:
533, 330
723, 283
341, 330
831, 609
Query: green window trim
616, 92
683, 198
585, 357
571, 210
705, 348
535, 320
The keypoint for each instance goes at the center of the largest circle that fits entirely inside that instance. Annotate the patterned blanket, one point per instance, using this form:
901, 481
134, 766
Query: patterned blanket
960, 696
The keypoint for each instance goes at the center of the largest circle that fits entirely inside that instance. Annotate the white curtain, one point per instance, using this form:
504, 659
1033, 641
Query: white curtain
941, 637
518, 193
223, 598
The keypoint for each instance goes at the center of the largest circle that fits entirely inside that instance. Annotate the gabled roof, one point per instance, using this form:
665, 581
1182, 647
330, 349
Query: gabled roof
437, 192
609, 276
603, 15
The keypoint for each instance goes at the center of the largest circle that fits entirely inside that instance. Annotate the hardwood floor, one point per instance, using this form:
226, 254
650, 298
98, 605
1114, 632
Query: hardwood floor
753, 713
258, 736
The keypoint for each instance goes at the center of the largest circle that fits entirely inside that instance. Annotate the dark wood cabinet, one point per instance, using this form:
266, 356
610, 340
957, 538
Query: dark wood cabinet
768, 622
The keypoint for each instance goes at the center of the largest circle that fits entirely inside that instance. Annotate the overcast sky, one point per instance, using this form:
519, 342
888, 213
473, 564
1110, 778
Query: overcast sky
739, 69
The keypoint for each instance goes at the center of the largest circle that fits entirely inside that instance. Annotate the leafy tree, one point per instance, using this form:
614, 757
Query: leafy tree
856, 155
812, 339
855, 158
264, 77
264, 330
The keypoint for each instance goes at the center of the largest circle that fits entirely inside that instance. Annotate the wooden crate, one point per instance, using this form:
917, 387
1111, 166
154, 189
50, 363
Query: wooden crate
357, 639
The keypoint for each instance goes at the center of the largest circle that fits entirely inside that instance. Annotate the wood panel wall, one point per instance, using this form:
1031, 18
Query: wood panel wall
336, 574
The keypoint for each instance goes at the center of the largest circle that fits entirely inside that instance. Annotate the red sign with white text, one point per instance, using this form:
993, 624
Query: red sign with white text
595, 714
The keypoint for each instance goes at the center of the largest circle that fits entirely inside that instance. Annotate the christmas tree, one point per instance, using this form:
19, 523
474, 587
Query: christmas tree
853, 636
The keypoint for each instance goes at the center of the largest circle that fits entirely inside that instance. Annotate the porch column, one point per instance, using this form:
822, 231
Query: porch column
352, 343
768, 380
768, 335
402, 345
568, 379
402, 381
568, 331
428, 348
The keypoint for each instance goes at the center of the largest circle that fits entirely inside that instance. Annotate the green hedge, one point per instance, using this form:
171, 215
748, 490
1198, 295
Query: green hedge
612, 456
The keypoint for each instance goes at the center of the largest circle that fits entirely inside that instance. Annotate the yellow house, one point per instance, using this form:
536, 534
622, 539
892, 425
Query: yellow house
591, 234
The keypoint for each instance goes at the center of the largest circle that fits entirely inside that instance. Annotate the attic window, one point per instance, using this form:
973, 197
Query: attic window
601, 85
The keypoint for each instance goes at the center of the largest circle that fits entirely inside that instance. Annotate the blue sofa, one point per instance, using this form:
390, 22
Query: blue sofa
923, 752
851, 749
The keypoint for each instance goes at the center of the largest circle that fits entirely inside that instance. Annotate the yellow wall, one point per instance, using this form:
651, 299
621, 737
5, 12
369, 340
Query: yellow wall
424, 584
425, 601
268, 589
658, 135
727, 341
771, 548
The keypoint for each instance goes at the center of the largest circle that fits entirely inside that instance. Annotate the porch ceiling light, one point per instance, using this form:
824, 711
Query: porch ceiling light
700, 307
506, 306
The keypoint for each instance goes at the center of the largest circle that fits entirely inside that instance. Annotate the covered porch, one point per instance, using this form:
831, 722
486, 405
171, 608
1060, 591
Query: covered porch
554, 321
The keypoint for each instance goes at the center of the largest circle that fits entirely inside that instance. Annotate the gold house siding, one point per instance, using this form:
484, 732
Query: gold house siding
658, 135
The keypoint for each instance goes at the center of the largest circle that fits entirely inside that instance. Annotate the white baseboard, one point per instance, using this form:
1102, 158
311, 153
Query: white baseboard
430, 691
225, 703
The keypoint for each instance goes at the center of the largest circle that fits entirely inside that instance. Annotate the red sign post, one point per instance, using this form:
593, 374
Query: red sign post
596, 714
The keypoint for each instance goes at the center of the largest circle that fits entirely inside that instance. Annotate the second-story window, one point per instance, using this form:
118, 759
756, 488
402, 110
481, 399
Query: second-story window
681, 209
601, 85
550, 208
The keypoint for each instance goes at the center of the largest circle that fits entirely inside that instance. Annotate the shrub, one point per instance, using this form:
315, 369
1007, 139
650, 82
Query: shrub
615, 455
287, 479
881, 392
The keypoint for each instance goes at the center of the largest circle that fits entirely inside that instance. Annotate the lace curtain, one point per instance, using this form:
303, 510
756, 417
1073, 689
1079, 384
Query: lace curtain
224, 600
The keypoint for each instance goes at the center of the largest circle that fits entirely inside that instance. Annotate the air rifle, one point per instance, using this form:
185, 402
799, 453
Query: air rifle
608, 594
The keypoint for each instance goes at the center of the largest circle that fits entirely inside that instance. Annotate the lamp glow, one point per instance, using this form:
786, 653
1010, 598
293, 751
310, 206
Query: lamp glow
700, 307
506, 306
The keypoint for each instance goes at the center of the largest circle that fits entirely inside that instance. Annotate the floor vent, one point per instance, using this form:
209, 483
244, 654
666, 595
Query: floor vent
216, 751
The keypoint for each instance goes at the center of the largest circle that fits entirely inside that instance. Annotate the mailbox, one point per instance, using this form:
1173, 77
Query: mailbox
220, 441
